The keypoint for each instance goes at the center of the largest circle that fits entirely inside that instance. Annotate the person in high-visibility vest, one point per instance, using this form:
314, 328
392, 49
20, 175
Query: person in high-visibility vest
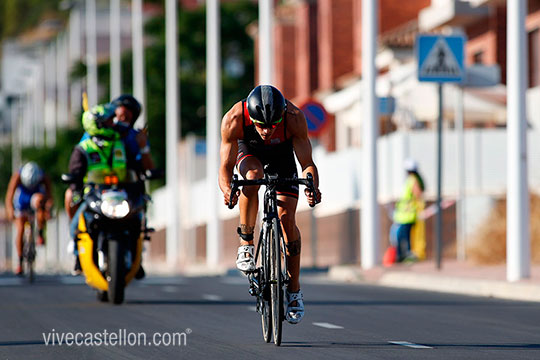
405, 215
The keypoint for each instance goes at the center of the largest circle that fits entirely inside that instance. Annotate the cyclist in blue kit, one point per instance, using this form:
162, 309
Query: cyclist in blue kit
29, 190
267, 129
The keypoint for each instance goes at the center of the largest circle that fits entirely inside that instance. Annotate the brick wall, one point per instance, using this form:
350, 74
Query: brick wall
285, 55
398, 12
303, 51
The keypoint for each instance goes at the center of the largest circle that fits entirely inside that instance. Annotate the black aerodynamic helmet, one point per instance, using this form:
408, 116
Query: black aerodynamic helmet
266, 106
130, 102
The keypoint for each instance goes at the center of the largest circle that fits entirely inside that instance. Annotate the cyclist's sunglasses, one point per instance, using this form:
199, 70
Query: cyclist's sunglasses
261, 124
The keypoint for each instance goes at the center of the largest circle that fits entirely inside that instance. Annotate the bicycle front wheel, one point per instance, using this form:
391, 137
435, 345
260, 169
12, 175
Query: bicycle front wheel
29, 251
264, 298
276, 280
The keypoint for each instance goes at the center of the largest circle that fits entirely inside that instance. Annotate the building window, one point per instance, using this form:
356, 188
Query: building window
534, 58
478, 57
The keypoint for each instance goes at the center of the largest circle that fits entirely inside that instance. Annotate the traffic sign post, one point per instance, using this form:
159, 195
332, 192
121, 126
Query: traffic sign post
440, 59
316, 116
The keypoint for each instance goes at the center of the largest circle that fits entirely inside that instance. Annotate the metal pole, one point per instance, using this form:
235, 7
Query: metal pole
314, 237
517, 210
174, 232
461, 233
91, 53
213, 120
15, 143
115, 49
438, 225
75, 56
50, 96
138, 59
266, 41
369, 210
39, 100
62, 75
15, 161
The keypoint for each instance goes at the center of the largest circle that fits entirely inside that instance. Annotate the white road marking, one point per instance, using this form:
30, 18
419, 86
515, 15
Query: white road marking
327, 325
211, 297
410, 344
252, 308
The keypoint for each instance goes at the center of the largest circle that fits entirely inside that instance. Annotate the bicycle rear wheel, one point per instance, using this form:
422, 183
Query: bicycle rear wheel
276, 281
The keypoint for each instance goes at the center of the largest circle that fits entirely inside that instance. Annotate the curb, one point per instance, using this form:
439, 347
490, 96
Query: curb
522, 291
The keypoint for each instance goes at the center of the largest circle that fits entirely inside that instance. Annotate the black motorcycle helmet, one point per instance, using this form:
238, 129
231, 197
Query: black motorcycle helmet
266, 105
131, 103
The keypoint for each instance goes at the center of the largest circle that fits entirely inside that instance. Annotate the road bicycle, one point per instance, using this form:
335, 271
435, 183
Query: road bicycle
270, 277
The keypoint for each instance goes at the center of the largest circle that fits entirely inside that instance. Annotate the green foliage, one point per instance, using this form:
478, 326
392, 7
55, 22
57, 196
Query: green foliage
5, 170
17, 16
237, 74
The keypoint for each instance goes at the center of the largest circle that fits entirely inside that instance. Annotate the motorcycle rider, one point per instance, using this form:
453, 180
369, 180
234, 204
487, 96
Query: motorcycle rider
100, 154
126, 111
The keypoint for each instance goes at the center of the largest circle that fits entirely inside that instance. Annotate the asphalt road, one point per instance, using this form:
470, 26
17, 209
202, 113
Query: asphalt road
214, 318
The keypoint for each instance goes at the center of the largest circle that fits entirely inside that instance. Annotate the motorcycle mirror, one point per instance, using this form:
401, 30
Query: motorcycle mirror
67, 178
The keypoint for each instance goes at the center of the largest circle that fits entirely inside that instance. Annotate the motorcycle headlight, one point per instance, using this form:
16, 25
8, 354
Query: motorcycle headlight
114, 205
115, 210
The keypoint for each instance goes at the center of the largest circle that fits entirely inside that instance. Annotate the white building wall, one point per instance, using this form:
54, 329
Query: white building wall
340, 172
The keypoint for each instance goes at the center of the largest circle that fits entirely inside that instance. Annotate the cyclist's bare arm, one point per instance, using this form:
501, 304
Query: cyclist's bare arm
297, 126
231, 132
10, 193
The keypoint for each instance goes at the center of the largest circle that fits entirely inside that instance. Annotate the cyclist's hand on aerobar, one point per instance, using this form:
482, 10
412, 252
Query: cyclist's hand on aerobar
227, 197
313, 198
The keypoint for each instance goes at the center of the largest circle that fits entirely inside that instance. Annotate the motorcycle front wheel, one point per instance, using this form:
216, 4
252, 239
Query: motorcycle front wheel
116, 272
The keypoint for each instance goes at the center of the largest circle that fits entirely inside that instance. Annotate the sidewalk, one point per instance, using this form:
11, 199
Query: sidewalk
454, 277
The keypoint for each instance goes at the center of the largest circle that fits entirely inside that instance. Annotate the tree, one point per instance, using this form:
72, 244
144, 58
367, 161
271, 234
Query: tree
237, 75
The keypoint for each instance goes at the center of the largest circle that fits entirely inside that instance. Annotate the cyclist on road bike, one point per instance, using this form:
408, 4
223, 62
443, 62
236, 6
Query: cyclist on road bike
29, 189
267, 129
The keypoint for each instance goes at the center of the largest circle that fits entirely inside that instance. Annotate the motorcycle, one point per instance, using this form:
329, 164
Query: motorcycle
110, 231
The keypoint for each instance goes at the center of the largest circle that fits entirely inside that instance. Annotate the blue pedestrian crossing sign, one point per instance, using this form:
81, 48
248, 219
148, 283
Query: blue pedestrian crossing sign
440, 58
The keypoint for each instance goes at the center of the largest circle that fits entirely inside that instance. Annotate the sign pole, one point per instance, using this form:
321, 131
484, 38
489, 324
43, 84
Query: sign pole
438, 226
440, 59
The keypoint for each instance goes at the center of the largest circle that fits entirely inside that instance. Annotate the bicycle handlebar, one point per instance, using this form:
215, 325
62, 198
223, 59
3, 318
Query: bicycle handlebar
270, 180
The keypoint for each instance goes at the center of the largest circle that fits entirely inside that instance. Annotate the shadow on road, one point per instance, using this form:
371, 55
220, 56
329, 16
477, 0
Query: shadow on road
344, 345
327, 302
19, 343
189, 302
